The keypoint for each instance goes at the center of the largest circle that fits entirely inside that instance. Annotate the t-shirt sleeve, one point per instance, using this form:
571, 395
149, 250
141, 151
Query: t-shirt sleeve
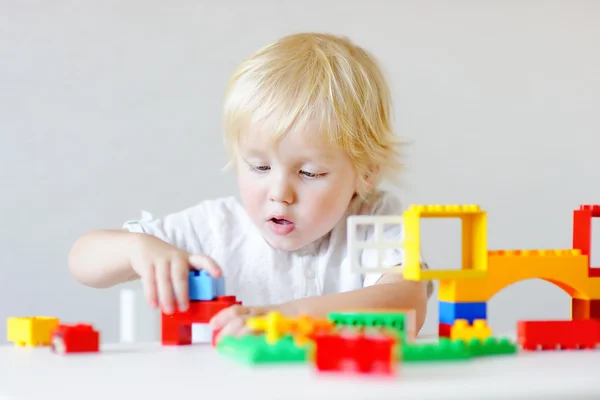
386, 205
185, 229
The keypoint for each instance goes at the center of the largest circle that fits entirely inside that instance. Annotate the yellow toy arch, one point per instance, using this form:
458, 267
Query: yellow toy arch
484, 273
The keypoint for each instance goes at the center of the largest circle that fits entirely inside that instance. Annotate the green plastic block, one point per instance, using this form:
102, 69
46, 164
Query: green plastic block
444, 350
253, 349
394, 321
491, 346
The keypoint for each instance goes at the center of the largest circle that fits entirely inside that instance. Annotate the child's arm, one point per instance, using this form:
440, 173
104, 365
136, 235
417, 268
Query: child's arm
102, 258
105, 258
391, 291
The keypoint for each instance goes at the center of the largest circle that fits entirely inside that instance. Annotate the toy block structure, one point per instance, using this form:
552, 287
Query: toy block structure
176, 328
207, 298
31, 331
474, 241
78, 338
464, 293
254, 349
274, 326
555, 335
401, 321
366, 351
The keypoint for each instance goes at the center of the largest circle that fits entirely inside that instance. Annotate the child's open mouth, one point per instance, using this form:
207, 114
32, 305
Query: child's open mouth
280, 221
281, 226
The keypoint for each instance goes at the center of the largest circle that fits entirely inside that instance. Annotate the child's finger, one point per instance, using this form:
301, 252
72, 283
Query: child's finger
201, 261
220, 319
234, 328
179, 278
165, 288
149, 285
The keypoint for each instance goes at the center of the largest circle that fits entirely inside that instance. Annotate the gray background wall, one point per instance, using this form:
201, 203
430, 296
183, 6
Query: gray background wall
107, 108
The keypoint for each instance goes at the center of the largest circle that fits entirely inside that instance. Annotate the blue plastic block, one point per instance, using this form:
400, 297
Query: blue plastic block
202, 286
450, 312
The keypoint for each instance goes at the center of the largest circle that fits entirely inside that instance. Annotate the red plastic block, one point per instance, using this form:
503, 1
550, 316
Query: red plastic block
594, 208
444, 330
79, 338
585, 309
176, 328
175, 333
200, 312
582, 233
553, 335
355, 350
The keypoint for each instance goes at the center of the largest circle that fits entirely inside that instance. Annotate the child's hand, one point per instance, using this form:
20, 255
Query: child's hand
232, 321
164, 270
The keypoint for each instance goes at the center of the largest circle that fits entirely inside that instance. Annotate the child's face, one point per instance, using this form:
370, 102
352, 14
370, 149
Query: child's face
296, 191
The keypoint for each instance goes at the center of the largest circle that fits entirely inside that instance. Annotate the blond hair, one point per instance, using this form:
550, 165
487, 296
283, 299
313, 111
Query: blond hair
306, 78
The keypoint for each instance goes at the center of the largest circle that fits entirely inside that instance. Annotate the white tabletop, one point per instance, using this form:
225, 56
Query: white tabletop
151, 371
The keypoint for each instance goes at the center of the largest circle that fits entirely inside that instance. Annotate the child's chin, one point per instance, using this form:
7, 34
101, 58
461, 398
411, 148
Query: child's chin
284, 244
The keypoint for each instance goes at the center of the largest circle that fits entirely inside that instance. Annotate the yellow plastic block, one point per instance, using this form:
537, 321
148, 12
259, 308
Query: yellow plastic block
275, 325
461, 330
567, 269
31, 331
474, 242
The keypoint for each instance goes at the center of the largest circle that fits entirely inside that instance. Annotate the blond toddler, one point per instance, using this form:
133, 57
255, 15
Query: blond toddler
308, 128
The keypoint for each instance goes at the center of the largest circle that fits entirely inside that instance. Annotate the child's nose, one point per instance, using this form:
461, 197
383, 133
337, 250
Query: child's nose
282, 192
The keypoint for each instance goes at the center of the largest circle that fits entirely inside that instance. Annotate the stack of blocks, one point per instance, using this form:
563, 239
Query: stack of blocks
207, 298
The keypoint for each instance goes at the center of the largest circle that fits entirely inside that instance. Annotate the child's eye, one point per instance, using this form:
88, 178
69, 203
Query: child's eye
259, 168
311, 174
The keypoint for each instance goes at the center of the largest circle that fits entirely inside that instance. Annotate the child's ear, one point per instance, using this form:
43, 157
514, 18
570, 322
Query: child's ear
372, 177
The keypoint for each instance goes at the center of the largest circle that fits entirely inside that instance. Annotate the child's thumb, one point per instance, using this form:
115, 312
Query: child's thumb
201, 261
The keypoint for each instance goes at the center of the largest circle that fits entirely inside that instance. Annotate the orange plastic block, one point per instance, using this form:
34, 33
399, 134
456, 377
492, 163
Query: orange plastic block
567, 269
474, 242
275, 326
31, 331
462, 330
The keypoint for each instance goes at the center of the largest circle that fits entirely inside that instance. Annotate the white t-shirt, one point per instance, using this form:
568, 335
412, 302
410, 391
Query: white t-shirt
257, 273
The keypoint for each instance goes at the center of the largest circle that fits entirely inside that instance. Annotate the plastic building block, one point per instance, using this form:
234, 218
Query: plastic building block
585, 308
554, 335
401, 321
450, 312
444, 330
254, 349
491, 347
379, 244
31, 331
566, 268
202, 311
176, 328
444, 350
582, 233
474, 242
461, 330
175, 333
79, 338
202, 286
366, 351
275, 325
